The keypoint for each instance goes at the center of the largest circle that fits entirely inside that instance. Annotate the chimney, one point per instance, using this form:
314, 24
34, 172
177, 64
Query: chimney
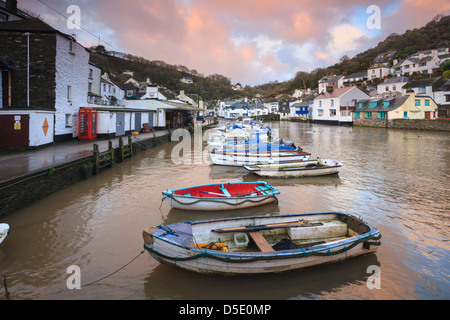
11, 5
410, 92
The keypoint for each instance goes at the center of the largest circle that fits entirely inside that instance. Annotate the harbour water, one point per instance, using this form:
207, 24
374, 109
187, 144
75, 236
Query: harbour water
397, 181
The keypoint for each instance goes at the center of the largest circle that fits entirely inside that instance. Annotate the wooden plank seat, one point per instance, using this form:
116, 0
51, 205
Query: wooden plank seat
260, 241
262, 189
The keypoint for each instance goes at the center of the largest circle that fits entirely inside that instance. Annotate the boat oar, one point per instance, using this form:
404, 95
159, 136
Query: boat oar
217, 194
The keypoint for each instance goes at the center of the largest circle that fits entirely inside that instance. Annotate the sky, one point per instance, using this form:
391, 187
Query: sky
250, 42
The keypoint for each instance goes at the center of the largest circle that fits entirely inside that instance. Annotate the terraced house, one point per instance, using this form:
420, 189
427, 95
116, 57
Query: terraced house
380, 112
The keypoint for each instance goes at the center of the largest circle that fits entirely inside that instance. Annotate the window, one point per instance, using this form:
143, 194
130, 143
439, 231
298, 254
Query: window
69, 93
332, 102
372, 104
394, 87
360, 104
406, 67
368, 115
356, 115
320, 103
320, 112
71, 46
3, 17
91, 73
381, 115
90, 87
417, 103
386, 103
332, 112
387, 88
422, 90
427, 102
405, 114
68, 122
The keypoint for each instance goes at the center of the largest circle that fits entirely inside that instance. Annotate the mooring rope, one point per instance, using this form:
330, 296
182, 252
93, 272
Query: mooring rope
90, 283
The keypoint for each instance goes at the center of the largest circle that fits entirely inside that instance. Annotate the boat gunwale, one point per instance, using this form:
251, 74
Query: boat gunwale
283, 254
273, 191
294, 168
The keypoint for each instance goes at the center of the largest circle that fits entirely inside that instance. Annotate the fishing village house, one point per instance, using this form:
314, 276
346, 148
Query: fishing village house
335, 106
421, 62
434, 88
45, 85
112, 93
187, 80
299, 110
355, 78
392, 87
442, 98
380, 67
10, 12
380, 112
242, 108
329, 82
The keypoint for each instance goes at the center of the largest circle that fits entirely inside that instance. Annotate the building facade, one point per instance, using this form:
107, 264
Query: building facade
336, 106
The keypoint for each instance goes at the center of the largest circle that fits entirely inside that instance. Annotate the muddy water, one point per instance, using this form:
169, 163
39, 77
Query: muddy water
397, 181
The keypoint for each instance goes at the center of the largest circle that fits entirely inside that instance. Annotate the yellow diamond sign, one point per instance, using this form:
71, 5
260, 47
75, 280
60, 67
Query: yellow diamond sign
45, 126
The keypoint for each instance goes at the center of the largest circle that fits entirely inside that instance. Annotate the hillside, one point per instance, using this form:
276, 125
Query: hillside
434, 34
212, 87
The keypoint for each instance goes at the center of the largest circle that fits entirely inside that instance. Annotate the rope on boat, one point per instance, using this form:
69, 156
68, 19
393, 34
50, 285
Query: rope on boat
300, 254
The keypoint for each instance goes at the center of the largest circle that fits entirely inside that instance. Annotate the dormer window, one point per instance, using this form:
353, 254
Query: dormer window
386, 104
372, 104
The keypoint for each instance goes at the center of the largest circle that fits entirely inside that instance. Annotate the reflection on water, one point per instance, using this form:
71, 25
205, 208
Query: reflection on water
395, 180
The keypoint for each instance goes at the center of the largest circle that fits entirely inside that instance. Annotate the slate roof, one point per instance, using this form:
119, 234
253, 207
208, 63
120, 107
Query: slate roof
395, 80
394, 103
434, 82
335, 93
30, 25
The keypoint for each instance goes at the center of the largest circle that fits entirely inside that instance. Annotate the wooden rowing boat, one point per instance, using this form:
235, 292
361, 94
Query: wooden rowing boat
306, 168
221, 196
261, 244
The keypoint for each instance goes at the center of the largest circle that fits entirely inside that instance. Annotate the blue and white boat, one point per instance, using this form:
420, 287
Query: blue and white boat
4, 231
221, 196
261, 244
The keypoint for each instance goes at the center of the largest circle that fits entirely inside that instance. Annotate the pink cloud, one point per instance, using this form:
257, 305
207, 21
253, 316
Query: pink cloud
201, 34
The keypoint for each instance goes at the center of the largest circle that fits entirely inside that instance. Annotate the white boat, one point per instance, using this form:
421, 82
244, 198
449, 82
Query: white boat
4, 231
241, 158
307, 168
261, 244
221, 196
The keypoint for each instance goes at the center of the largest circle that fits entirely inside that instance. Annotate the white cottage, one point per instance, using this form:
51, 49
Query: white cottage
335, 106
49, 85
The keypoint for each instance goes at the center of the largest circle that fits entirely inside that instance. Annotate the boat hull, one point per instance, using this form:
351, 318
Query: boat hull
247, 158
170, 247
309, 168
221, 196
214, 204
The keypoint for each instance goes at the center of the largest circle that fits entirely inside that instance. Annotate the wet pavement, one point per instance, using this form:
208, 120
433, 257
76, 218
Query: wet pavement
18, 163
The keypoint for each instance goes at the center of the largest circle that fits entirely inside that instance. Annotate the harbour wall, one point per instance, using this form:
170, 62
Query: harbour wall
22, 191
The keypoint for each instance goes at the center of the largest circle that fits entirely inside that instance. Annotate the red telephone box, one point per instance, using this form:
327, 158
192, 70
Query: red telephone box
87, 124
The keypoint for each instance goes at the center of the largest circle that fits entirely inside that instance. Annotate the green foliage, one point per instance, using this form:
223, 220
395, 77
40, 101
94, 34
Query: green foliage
446, 74
445, 65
